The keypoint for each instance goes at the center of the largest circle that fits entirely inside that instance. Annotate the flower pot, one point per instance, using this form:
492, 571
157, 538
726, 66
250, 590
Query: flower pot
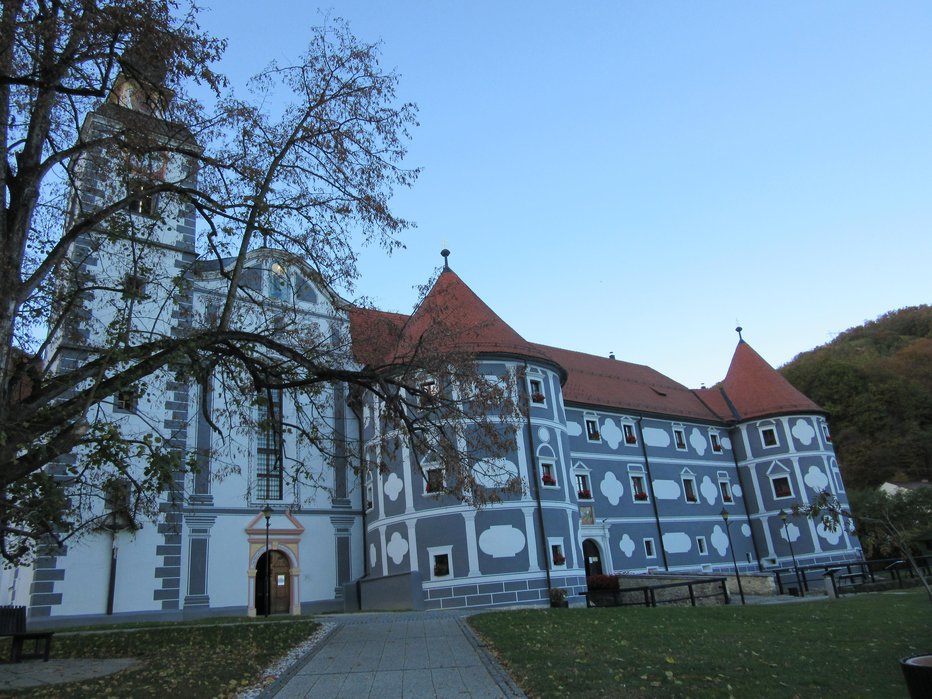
917, 671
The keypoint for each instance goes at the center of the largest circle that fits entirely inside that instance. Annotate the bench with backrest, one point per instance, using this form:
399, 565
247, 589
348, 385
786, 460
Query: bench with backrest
13, 624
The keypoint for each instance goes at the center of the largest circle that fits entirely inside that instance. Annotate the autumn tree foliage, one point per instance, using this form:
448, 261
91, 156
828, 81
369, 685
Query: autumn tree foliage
875, 381
313, 178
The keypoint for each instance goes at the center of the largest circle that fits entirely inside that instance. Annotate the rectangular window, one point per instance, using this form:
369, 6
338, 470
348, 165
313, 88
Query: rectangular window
582, 486
649, 548
142, 203
369, 490
768, 436
556, 555
441, 565
537, 391
639, 488
701, 546
725, 487
689, 489
825, 433
630, 434
548, 473
679, 438
134, 286
269, 471
781, 487
125, 401
429, 392
592, 429
434, 480
716, 443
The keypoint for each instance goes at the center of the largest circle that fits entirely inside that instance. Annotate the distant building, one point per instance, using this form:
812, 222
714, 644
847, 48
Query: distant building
625, 469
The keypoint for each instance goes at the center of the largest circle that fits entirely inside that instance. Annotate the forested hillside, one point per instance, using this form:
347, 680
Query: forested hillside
876, 382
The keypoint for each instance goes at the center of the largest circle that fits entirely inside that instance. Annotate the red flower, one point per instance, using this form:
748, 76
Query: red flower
585, 494
640, 496
631, 439
548, 479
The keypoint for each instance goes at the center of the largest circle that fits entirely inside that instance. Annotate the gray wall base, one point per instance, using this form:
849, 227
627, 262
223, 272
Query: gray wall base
392, 592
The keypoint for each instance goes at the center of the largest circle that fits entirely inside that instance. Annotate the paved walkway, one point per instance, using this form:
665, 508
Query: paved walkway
403, 654
35, 673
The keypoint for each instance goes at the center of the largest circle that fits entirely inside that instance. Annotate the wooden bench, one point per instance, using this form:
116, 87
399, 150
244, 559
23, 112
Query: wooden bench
13, 624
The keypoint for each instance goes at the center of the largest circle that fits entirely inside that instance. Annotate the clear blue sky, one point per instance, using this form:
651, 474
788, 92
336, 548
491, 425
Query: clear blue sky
637, 177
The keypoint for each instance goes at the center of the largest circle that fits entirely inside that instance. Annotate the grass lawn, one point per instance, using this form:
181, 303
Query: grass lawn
838, 648
178, 660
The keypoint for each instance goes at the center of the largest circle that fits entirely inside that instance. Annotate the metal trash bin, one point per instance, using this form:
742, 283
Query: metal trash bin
917, 671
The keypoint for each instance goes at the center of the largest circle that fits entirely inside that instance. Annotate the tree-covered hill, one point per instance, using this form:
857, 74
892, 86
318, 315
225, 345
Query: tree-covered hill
876, 382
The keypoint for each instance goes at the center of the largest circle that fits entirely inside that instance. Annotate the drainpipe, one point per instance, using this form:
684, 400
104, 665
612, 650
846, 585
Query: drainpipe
536, 483
111, 583
744, 491
653, 498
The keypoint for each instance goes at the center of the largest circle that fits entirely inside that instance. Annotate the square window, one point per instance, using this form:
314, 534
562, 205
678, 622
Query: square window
582, 487
125, 401
537, 391
649, 548
781, 487
548, 474
768, 436
689, 489
701, 546
142, 203
639, 488
630, 434
725, 488
134, 286
679, 438
592, 429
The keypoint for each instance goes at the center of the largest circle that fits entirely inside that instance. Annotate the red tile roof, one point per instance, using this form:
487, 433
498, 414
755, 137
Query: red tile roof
756, 389
451, 318
612, 383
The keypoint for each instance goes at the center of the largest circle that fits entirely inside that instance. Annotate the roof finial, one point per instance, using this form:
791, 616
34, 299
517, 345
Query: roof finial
738, 330
445, 254
611, 355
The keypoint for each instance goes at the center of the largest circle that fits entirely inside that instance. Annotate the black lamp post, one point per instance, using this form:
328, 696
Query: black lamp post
267, 513
799, 581
734, 560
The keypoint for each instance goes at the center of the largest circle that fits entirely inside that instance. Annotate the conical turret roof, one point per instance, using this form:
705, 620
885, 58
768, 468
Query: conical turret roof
755, 389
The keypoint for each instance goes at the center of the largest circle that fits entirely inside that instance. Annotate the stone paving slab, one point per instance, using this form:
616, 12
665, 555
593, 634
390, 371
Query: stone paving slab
35, 673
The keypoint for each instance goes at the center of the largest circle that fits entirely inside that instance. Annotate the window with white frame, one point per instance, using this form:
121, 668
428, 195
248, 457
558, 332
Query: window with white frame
548, 473
638, 485
433, 479
557, 554
826, 435
649, 550
768, 436
701, 546
441, 562
370, 490
429, 392
279, 286
143, 203
536, 389
583, 490
724, 487
781, 486
592, 429
629, 432
689, 486
125, 401
679, 438
716, 442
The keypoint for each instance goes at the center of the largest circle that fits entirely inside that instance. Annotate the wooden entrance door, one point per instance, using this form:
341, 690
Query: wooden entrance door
593, 558
279, 581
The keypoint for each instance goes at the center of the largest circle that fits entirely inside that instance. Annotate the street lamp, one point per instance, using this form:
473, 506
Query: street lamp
734, 560
267, 513
799, 580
